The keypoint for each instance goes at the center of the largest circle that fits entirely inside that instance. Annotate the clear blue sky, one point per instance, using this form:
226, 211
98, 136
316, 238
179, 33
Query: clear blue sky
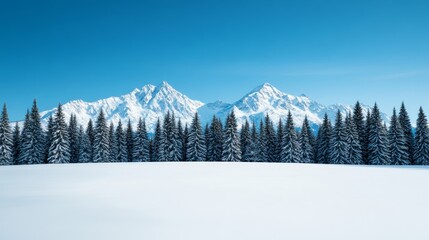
333, 51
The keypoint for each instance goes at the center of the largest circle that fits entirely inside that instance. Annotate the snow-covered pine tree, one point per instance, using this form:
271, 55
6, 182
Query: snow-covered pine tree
91, 137
172, 150
16, 144
306, 146
291, 150
130, 142
158, 143
231, 146
196, 145
246, 141
73, 139
279, 140
101, 140
59, 151
6, 144
121, 144
339, 152
323, 145
253, 147
32, 148
378, 145
25, 136
85, 149
185, 142
397, 143
355, 149
311, 138
113, 146
404, 121
421, 150
365, 146
48, 138
271, 138
207, 141
141, 143
216, 140
180, 136
262, 143
359, 122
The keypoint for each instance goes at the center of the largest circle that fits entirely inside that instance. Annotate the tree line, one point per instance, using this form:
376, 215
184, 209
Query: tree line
354, 139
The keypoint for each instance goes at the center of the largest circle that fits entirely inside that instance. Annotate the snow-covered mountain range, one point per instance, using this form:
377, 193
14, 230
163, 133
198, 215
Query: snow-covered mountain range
152, 102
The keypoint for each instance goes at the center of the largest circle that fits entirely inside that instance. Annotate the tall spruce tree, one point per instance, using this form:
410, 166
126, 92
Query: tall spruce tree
291, 149
207, 140
73, 139
180, 136
404, 121
172, 148
101, 140
158, 143
421, 151
279, 140
141, 143
25, 136
355, 148
323, 145
32, 145
6, 144
216, 140
365, 146
91, 137
59, 151
339, 152
305, 142
262, 142
246, 141
85, 149
378, 145
271, 143
253, 146
130, 142
16, 144
121, 144
185, 142
48, 138
359, 122
112, 143
231, 147
397, 143
196, 145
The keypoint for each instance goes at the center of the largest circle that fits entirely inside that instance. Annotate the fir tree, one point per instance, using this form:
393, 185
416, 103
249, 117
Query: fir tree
16, 144
378, 151
113, 146
172, 147
215, 140
59, 151
271, 141
101, 140
231, 147
180, 137
404, 121
158, 144
6, 144
121, 144
306, 146
196, 145
339, 152
397, 143
253, 146
323, 145
365, 146
185, 143
48, 138
262, 142
141, 143
73, 139
91, 138
291, 150
355, 148
85, 149
421, 152
24, 139
33, 141
359, 122
130, 142
279, 140
245, 140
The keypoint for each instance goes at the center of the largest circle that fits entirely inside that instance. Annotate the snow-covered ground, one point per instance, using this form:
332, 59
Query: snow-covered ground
219, 201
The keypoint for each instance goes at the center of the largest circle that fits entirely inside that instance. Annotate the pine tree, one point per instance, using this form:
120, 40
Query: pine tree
24, 139
323, 145
16, 144
262, 142
397, 143
245, 142
101, 140
355, 148
91, 138
180, 137
59, 151
196, 144
359, 122
172, 150
339, 152
421, 151
279, 140
270, 136
306, 146
378, 151
73, 139
158, 144
85, 149
130, 142
231, 147
33, 140
112, 144
185, 142
404, 121
291, 150
121, 144
253, 146
48, 138
6, 144
365, 146
141, 143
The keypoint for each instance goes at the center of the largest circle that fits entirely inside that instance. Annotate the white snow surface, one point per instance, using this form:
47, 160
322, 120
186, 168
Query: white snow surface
153, 102
228, 201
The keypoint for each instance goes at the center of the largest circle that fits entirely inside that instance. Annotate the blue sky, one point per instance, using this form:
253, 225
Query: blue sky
333, 51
